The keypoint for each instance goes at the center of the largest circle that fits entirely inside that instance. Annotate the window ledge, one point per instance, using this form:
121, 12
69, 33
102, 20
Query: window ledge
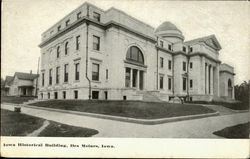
97, 51
94, 81
76, 81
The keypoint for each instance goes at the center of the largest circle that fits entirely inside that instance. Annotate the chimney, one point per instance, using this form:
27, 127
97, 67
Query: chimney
30, 71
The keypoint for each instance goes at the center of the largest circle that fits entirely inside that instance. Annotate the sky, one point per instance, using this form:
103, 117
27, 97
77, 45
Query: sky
23, 22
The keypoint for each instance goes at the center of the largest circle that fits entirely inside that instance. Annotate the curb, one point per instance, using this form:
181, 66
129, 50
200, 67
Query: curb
240, 111
126, 119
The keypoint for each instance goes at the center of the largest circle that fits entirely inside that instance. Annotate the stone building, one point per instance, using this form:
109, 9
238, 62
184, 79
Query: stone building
97, 54
21, 84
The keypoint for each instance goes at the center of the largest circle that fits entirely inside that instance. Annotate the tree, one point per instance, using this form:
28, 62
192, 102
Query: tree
242, 92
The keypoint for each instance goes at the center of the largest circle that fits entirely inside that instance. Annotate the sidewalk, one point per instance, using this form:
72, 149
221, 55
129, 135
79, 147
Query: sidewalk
197, 128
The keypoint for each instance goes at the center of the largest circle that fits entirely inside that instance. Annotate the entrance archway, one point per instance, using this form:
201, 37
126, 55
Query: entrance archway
134, 73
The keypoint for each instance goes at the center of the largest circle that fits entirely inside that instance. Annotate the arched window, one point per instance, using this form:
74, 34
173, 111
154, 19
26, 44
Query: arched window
229, 83
134, 54
66, 48
58, 52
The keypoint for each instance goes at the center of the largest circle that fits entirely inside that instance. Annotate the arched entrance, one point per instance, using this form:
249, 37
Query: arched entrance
134, 70
229, 88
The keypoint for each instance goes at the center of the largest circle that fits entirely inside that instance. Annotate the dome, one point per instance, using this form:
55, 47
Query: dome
166, 26
170, 31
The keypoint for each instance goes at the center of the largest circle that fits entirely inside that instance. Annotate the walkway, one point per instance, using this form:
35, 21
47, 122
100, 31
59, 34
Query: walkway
222, 110
197, 128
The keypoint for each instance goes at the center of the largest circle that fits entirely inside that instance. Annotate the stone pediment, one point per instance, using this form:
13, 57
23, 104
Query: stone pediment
210, 41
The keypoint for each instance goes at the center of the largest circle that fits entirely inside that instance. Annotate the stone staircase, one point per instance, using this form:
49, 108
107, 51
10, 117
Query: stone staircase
149, 96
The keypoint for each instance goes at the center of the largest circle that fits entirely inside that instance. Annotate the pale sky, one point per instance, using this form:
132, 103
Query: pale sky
23, 22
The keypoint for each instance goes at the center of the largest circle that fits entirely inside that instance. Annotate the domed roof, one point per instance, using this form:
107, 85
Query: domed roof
166, 26
169, 30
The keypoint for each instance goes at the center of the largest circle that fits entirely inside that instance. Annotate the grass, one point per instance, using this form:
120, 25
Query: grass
17, 124
234, 132
133, 109
234, 106
15, 100
55, 129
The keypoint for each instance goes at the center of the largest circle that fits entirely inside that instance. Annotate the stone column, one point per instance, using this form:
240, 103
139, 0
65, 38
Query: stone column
217, 79
138, 80
131, 73
212, 80
207, 91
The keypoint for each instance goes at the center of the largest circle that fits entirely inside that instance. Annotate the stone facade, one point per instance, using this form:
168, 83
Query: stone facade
99, 54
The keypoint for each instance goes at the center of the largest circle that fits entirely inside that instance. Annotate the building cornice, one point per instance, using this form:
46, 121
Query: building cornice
205, 55
164, 50
97, 24
226, 71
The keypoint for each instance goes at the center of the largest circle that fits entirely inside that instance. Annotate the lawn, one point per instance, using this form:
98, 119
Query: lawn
16, 100
133, 109
234, 106
234, 132
17, 124
55, 129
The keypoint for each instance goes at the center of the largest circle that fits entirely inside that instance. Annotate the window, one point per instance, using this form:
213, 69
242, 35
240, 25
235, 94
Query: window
184, 66
134, 54
169, 64
106, 95
169, 47
66, 73
191, 49
55, 95
76, 94
78, 42
229, 83
191, 65
42, 79
161, 82
58, 52
59, 28
48, 95
57, 74
124, 97
161, 62
41, 95
66, 48
97, 16
50, 77
161, 43
64, 94
107, 74
96, 43
79, 15
184, 83
169, 83
127, 77
67, 22
95, 72
191, 83
95, 94
134, 77
77, 71
184, 49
